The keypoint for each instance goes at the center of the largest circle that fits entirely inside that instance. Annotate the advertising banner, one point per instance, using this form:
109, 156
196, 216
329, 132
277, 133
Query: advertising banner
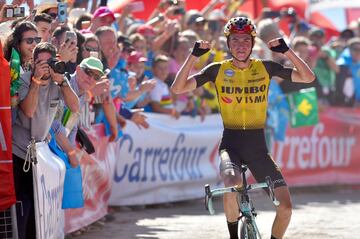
48, 174
323, 154
170, 161
97, 174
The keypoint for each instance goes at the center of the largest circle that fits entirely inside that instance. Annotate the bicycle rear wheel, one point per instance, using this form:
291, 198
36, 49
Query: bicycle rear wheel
247, 230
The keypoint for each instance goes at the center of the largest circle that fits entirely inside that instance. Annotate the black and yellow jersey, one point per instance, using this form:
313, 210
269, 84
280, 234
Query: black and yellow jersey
242, 93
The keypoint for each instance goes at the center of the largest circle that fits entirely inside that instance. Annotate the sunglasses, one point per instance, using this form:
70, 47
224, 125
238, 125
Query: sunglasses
30, 40
88, 48
92, 74
53, 15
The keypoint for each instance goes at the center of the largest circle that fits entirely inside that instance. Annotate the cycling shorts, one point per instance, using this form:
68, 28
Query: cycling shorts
249, 147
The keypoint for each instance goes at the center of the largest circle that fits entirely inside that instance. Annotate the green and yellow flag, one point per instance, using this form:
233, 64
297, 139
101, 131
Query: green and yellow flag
303, 108
15, 76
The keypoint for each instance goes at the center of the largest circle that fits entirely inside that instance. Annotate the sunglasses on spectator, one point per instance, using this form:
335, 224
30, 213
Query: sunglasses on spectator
53, 15
30, 40
88, 48
92, 74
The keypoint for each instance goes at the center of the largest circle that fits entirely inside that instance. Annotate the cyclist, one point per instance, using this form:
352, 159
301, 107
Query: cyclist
242, 86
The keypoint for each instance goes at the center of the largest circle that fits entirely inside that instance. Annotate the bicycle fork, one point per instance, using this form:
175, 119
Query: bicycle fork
247, 211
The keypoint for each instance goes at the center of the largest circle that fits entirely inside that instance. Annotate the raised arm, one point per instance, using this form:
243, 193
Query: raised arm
183, 82
302, 72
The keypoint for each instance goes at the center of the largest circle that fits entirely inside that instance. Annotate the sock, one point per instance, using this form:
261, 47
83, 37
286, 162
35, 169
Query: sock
233, 229
272, 237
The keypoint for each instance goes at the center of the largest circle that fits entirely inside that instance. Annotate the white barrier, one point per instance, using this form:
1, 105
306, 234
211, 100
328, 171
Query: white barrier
48, 174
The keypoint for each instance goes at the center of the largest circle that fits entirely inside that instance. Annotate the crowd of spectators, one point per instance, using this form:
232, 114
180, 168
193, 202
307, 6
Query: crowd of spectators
102, 67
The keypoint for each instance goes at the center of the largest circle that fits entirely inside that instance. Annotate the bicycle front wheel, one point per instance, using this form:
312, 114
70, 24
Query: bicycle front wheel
247, 230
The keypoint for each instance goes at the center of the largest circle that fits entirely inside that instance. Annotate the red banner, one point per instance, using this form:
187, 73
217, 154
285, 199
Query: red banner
7, 193
323, 154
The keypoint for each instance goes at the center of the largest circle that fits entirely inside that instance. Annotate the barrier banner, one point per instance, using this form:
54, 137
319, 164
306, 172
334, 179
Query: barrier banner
96, 175
49, 175
170, 161
323, 154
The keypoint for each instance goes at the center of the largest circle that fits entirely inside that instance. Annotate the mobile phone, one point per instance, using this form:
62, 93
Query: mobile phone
70, 36
137, 6
15, 12
62, 12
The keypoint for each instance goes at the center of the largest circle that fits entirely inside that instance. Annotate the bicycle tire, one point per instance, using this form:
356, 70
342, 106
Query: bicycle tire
247, 230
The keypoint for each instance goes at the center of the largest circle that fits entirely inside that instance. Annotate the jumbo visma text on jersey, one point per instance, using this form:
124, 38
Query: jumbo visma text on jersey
243, 95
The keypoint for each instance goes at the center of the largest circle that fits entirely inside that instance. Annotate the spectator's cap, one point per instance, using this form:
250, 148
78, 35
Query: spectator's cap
146, 30
127, 46
194, 17
103, 12
93, 63
136, 57
75, 13
45, 5
217, 15
317, 32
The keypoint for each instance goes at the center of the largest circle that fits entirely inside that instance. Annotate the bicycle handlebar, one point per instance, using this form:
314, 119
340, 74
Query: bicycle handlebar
209, 194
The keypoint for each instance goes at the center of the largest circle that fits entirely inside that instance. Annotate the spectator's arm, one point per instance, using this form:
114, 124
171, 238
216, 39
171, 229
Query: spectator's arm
156, 106
171, 28
110, 114
121, 21
331, 62
30, 102
70, 97
209, 7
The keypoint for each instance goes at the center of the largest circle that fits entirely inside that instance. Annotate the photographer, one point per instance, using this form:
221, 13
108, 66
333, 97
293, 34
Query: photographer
39, 95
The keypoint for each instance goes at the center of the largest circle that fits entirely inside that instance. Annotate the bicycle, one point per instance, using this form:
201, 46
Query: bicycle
248, 228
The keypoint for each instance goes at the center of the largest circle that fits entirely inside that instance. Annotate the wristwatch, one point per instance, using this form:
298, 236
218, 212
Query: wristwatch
65, 83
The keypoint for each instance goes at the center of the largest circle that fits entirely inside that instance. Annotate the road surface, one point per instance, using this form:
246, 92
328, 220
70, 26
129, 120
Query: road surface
318, 213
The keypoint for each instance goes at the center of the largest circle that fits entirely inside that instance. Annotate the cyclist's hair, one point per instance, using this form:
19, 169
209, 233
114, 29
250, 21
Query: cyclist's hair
43, 17
103, 29
14, 39
44, 47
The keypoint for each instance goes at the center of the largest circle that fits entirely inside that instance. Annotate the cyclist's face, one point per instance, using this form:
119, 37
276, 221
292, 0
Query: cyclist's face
240, 45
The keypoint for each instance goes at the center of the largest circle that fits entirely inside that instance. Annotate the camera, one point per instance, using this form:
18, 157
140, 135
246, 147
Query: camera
56, 65
14, 12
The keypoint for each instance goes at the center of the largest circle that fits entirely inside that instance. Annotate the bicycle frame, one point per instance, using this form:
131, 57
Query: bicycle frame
246, 208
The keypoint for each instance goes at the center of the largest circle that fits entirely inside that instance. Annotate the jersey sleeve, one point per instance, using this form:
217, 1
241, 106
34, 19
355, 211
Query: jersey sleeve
276, 69
209, 73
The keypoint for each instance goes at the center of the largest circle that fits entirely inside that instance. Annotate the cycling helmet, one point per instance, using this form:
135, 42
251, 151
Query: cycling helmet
240, 25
